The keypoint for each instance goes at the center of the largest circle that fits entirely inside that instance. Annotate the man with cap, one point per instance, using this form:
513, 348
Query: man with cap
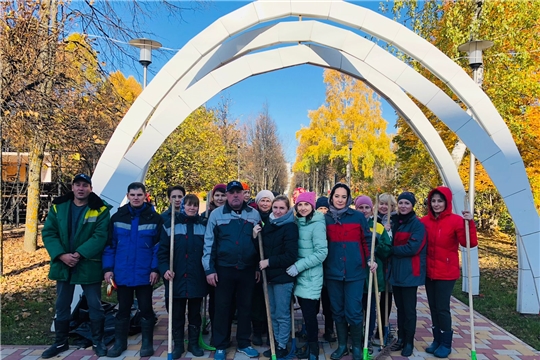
74, 235
230, 261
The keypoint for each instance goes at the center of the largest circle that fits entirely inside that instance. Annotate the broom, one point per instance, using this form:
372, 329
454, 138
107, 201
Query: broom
171, 267
267, 303
202, 344
370, 284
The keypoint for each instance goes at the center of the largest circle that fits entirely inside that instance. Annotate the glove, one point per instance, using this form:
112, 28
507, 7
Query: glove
292, 271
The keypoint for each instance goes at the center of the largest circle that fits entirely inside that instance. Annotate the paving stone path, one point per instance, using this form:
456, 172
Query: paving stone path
492, 342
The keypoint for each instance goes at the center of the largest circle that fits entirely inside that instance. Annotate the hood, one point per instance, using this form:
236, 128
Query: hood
447, 193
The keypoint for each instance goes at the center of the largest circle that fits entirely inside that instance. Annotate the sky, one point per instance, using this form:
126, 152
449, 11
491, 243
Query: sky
289, 93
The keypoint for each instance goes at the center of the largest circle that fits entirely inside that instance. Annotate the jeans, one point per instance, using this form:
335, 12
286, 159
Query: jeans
310, 309
144, 301
346, 300
179, 312
405, 298
64, 297
233, 284
280, 308
438, 294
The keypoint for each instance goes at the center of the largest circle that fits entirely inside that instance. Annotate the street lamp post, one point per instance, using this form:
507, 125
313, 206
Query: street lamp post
334, 141
349, 164
474, 49
145, 59
238, 159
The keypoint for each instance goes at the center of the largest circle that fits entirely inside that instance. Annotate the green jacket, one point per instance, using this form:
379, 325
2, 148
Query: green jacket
312, 250
383, 248
89, 242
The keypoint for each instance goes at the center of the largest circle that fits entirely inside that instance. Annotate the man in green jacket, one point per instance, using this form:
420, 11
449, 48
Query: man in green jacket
75, 234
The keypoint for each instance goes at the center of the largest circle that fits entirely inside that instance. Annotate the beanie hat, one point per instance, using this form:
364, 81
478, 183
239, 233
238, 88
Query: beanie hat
245, 186
308, 197
322, 202
407, 196
264, 194
363, 200
219, 187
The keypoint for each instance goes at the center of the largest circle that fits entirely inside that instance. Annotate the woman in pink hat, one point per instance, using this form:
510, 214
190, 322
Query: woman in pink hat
308, 269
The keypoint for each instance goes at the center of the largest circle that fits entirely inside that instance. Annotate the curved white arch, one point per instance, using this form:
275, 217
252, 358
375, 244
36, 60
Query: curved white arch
516, 193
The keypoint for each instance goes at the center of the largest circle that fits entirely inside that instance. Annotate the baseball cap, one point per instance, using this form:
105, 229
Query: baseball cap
82, 177
234, 185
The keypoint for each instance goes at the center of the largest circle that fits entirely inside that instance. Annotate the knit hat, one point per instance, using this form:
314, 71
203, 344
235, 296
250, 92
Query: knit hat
219, 187
363, 200
407, 196
308, 197
245, 186
264, 194
322, 202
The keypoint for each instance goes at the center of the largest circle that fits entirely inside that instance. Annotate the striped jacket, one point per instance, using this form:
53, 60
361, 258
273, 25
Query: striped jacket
131, 252
89, 240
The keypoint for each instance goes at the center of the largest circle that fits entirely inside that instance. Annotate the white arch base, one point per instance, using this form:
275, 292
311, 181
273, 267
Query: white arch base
209, 63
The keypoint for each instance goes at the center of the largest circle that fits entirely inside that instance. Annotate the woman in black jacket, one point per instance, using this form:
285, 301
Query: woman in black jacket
280, 245
189, 279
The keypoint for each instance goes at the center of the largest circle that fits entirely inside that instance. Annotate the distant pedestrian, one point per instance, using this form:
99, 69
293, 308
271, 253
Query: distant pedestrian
74, 234
130, 258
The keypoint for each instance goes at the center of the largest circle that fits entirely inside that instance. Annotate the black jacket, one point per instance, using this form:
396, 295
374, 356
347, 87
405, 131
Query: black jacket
280, 245
189, 280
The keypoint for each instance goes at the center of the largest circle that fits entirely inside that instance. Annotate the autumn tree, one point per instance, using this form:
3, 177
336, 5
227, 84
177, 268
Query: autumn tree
36, 73
352, 112
265, 158
193, 156
510, 79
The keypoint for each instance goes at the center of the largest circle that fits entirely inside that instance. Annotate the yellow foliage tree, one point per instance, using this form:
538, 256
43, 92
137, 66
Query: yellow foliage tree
352, 112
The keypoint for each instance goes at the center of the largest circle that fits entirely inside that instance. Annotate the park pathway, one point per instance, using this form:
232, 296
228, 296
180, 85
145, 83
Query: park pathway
492, 342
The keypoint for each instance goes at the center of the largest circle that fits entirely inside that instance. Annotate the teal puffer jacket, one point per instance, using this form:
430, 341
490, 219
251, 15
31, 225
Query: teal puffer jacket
312, 250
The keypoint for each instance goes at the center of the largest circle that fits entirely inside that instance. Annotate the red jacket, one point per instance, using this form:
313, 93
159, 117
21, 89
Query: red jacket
445, 233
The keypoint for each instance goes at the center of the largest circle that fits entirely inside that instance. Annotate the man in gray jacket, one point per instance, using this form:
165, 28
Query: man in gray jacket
230, 261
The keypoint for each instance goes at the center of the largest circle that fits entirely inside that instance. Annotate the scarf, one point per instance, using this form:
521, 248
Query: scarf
285, 219
336, 214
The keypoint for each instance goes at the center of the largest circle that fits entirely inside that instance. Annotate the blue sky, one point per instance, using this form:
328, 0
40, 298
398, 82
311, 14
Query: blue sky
289, 93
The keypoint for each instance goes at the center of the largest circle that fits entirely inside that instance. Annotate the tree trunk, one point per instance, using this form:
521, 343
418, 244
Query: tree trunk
35, 162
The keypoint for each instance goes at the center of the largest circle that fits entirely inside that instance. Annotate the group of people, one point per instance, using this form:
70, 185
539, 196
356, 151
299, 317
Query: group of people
312, 249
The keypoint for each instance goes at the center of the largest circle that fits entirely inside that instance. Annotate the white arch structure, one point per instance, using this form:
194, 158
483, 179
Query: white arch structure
217, 58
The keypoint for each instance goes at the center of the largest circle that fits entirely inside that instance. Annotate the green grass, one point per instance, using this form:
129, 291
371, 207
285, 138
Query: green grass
498, 290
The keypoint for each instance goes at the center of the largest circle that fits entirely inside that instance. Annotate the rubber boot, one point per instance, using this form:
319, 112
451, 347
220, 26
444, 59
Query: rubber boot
446, 344
303, 352
314, 350
61, 342
342, 337
178, 337
98, 346
147, 332
356, 339
193, 341
436, 340
121, 328
408, 345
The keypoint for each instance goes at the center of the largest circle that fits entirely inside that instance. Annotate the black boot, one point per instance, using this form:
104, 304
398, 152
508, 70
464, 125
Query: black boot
178, 337
61, 342
436, 340
303, 352
356, 339
147, 331
408, 345
446, 344
329, 335
121, 328
314, 350
97, 327
398, 345
193, 341
342, 337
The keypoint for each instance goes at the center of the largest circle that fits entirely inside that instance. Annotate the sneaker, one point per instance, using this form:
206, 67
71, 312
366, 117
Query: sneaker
220, 355
249, 351
267, 353
280, 353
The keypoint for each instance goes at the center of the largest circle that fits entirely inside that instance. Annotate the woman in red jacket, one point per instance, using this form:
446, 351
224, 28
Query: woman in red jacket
445, 232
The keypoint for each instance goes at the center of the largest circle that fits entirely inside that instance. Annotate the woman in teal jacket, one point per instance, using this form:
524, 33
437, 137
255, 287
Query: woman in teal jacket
312, 250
